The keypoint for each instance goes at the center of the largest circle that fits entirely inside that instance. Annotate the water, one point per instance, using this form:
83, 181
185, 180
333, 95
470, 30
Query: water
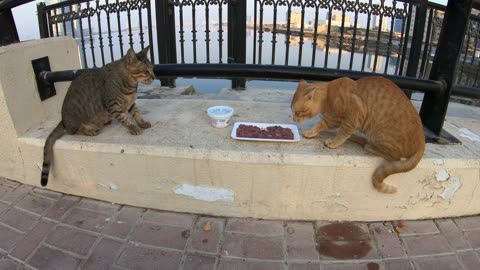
263, 54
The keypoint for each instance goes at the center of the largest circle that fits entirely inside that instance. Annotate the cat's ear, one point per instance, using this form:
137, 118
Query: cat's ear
130, 57
310, 94
302, 82
145, 50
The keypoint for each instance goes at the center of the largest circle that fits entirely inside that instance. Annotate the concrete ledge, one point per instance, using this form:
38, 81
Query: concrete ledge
183, 164
300, 181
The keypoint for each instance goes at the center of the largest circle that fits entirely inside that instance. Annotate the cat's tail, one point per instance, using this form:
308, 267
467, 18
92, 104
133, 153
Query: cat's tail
391, 167
58, 132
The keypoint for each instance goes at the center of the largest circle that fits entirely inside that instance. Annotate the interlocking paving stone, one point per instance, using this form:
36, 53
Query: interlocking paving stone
14, 195
76, 233
415, 227
71, 239
453, 234
19, 219
399, 265
437, 263
5, 189
58, 210
35, 204
198, 262
169, 218
426, 245
468, 223
387, 240
258, 227
98, 206
32, 239
122, 224
161, 236
300, 239
52, 259
8, 182
206, 234
3, 207
144, 258
469, 259
47, 193
104, 255
87, 219
8, 238
236, 264
473, 238
270, 248
348, 266
304, 266
8, 264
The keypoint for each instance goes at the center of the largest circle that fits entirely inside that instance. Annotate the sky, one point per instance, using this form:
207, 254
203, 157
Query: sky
28, 29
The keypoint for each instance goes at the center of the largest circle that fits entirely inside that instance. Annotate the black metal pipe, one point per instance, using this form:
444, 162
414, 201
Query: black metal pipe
465, 91
262, 72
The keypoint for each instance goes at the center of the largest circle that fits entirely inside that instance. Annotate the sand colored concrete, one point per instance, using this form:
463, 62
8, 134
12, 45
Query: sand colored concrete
20, 105
184, 164
302, 180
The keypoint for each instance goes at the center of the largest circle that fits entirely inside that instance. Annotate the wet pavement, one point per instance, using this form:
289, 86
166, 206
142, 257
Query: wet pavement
42, 229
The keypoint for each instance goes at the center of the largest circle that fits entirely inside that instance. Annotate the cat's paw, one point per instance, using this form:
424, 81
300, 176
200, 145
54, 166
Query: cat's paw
331, 144
145, 124
134, 130
310, 134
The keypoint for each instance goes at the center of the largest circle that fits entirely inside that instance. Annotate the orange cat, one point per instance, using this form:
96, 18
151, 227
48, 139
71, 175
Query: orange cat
374, 106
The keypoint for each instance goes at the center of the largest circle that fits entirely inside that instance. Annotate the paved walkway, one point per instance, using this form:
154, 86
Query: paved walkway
41, 229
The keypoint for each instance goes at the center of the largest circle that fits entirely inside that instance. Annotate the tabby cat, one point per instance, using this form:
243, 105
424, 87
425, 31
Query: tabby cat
94, 98
376, 107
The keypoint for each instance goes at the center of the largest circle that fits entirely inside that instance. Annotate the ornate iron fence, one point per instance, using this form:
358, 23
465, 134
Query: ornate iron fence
365, 35
95, 24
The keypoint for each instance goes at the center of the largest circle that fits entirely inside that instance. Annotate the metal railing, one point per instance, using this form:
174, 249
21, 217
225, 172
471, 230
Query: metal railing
364, 35
408, 38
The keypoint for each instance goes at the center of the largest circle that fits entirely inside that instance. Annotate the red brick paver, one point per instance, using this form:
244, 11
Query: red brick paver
42, 229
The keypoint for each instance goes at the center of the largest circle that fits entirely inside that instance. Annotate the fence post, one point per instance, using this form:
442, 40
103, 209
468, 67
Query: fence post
417, 39
237, 36
167, 51
455, 23
42, 20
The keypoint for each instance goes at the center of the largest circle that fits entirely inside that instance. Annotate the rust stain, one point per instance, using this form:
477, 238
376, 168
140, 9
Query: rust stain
343, 241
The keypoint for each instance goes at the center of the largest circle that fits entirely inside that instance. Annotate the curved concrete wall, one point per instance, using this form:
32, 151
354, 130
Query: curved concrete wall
184, 164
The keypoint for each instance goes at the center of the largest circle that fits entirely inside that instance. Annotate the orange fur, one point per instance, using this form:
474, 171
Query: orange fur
374, 106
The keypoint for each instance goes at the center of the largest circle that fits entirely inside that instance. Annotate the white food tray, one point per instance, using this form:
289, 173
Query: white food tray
296, 135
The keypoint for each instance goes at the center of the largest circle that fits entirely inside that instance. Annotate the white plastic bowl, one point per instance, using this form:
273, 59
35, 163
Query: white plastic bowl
220, 116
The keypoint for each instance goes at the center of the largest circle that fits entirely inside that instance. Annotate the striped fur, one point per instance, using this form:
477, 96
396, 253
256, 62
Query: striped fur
95, 98
58, 132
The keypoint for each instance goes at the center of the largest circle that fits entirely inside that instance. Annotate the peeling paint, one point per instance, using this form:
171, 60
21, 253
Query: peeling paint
449, 191
113, 187
442, 176
439, 162
204, 193
466, 133
101, 186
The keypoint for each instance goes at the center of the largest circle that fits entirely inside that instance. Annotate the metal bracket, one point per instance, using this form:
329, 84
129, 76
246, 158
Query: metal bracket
45, 90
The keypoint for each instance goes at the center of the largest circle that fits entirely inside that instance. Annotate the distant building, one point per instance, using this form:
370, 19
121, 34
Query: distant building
295, 19
337, 19
375, 23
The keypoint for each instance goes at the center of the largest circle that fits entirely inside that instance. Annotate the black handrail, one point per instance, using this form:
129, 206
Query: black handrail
264, 72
